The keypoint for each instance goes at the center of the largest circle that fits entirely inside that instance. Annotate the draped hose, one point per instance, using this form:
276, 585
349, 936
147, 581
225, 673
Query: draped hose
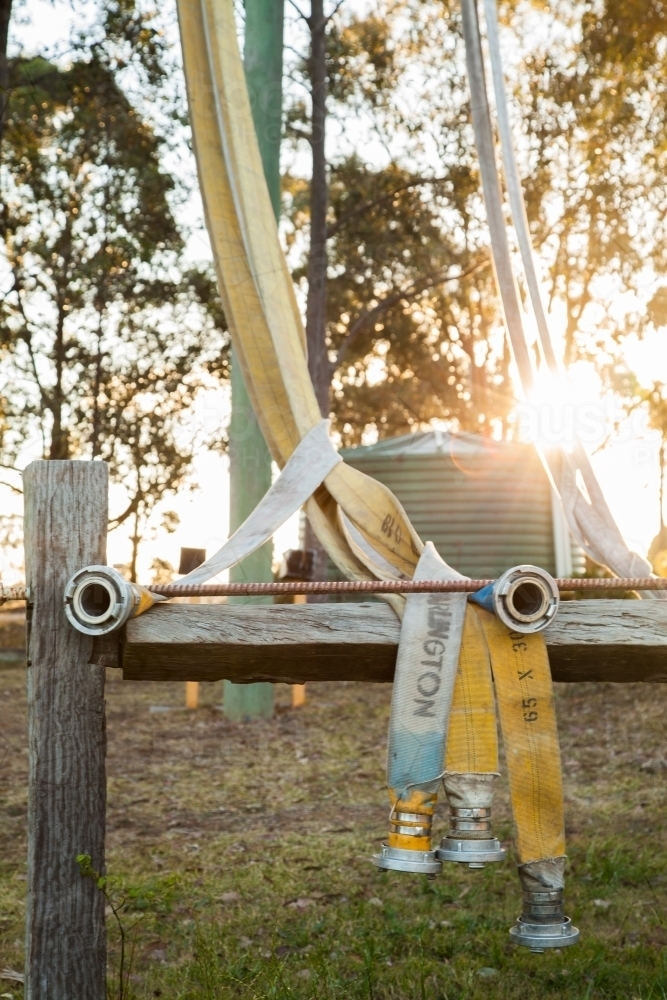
452, 657
524, 694
361, 524
426, 666
472, 756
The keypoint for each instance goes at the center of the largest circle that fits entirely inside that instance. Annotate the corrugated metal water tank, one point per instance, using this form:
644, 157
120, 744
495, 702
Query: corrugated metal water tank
486, 505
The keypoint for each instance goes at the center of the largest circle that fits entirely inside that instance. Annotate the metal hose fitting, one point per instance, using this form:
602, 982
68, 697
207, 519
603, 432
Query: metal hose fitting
543, 923
525, 598
470, 840
98, 600
404, 825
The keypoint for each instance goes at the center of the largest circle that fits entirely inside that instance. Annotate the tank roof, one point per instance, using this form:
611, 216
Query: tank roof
435, 442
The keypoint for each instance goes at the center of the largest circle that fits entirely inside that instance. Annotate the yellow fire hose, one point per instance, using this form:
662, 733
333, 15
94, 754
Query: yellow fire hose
472, 755
524, 693
368, 535
258, 296
360, 523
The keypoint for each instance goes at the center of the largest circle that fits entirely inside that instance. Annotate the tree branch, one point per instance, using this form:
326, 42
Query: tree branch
115, 522
299, 11
26, 336
334, 11
300, 132
344, 219
405, 294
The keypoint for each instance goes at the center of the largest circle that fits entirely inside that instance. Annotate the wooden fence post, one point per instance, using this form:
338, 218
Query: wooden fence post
65, 529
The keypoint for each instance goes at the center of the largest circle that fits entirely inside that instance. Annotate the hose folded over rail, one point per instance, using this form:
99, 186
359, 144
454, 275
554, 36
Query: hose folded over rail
260, 305
426, 667
360, 523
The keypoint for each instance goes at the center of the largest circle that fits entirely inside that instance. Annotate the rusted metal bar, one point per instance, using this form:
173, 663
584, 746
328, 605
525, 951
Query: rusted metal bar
391, 587
20, 593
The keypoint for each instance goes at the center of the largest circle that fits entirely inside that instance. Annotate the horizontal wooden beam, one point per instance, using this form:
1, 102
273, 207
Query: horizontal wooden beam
595, 640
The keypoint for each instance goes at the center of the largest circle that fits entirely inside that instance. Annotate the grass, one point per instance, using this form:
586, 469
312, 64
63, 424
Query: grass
270, 827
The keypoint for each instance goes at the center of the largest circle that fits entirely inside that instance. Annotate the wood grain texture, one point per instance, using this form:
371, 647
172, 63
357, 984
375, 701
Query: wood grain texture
588, 641
65, 529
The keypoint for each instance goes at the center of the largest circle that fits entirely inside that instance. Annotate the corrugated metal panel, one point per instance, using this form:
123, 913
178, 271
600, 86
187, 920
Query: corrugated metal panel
485, 505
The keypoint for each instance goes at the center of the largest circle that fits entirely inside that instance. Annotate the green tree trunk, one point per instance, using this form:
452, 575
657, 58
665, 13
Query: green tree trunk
249, 459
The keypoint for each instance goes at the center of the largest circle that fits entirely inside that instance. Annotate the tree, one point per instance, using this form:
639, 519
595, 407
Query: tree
595, 114
5, 17
108, 333
401, 316
593, 118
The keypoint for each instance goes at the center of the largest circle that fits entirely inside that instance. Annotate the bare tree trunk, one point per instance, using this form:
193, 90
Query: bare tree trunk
5, 15
135, 539
316, 305
318, 361
59, 450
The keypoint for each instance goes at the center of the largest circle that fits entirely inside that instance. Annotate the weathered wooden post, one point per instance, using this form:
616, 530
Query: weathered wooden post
65, 529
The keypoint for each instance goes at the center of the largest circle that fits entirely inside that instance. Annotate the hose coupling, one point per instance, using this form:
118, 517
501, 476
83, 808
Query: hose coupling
398, 859
98, 600
543, 923
470, 839
404, 826
525, 598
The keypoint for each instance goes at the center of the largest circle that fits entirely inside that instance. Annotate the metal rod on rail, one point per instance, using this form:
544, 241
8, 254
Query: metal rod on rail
19, 592
392, 587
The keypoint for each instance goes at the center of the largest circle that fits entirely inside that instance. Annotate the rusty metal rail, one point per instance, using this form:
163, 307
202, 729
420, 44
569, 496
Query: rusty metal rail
19, 592
390, 587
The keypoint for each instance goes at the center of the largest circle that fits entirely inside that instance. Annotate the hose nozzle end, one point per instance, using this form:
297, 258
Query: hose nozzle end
98, 600
409, 847
399, 859
525, 598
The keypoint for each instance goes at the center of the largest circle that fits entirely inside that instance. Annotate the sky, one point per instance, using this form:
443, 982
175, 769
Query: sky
627, 466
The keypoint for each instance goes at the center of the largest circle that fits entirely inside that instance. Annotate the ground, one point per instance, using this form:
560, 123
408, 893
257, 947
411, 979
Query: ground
270, 826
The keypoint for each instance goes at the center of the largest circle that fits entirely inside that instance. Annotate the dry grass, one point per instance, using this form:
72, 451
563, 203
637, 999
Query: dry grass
270, 826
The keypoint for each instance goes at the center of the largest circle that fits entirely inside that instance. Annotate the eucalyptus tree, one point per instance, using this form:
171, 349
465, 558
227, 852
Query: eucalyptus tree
107, 331
386, 235
593, 100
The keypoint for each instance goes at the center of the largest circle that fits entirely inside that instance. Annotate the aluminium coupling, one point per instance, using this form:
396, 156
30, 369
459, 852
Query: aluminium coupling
98, 600
525, 598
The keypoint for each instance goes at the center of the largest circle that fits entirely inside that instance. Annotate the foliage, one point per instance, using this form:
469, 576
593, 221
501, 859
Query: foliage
410, 312
162, 570
107, 333
588, 99
596, 120
127, 901
412, 329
